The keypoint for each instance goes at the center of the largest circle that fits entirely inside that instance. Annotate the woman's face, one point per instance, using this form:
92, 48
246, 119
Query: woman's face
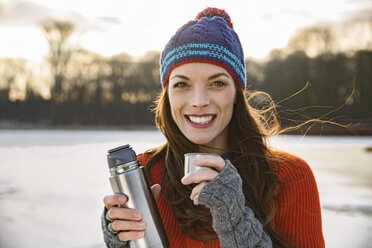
201, 98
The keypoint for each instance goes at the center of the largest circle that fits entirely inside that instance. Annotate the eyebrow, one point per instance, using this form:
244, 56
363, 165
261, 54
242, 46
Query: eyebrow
218, 75
181, 76
209, 78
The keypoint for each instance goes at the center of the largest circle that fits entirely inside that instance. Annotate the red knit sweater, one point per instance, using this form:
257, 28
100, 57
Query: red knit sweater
298, 215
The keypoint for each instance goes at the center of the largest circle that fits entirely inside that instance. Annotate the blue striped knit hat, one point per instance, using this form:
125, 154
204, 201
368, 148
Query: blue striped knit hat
209, 38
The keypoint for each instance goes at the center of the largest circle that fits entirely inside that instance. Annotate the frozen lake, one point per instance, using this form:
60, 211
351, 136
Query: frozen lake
52, 183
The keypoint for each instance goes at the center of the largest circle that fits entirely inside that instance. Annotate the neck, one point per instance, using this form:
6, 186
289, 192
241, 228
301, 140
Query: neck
218, 145
210, 149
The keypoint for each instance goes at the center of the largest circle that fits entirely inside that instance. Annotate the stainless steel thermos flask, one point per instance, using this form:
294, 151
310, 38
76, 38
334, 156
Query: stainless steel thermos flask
129, 178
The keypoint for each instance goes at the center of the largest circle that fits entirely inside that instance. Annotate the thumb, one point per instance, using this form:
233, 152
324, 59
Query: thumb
155, 190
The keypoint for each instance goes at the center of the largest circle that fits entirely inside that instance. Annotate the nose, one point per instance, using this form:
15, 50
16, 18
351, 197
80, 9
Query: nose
200, 97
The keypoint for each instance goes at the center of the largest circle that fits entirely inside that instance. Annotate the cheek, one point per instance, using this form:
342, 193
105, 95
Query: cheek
228, 115
228, 108
174, 116
177, 103
175, 111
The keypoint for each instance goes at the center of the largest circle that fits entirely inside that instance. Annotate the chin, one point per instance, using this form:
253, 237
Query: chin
200, 140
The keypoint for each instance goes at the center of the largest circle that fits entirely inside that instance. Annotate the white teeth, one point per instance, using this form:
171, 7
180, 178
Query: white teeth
201, 120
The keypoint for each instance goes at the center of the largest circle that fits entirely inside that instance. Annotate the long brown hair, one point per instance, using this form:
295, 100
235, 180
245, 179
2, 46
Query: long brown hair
247, 133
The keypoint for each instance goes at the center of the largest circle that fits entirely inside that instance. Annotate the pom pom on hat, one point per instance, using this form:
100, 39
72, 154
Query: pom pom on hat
210, 12
209, 38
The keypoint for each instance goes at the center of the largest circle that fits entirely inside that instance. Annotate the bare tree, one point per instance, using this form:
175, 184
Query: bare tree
313, 40
58, 34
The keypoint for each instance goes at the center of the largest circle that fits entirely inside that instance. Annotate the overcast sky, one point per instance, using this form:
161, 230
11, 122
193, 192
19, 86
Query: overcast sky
112, 26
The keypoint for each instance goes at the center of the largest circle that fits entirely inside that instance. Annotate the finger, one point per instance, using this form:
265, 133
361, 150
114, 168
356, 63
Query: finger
132, 235
199, 176
124, 214
125, 225
196, 191
116, 199
156, 188
212, 161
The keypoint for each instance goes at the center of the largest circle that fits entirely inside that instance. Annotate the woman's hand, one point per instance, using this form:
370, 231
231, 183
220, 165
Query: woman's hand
212, 165
127, 221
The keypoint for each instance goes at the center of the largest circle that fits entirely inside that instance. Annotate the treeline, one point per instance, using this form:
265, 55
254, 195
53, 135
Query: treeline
76, 87
120, 90
95, 91
329, 87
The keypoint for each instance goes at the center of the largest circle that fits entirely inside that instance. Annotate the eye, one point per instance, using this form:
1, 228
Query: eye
218, 84
180, 85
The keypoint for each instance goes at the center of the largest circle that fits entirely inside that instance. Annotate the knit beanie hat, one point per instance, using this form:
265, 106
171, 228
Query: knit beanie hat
210, 38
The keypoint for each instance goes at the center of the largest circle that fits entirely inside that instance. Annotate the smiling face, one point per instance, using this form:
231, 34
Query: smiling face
201, 98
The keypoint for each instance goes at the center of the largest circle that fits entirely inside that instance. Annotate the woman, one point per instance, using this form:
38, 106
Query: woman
250, 195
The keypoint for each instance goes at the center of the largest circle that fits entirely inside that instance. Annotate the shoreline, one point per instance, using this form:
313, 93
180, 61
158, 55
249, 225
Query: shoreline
75, 127
365, 130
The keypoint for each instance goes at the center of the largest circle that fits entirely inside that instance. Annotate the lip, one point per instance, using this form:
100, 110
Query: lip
200, 125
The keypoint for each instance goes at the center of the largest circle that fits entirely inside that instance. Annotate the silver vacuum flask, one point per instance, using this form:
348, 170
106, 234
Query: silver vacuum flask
129, 178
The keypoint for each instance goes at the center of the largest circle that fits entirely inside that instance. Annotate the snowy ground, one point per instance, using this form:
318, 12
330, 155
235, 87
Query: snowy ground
52, 184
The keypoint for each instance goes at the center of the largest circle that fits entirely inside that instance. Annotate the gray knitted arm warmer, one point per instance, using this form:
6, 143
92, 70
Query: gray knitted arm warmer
110, 239
233, 222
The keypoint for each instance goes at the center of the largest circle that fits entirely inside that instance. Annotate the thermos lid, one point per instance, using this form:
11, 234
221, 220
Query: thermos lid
119, 148
120, 155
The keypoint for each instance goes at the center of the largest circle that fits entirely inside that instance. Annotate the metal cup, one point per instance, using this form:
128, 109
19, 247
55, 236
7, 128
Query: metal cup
189, 167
